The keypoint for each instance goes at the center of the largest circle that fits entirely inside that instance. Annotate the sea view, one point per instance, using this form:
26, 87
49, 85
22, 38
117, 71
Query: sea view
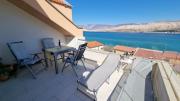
155, 41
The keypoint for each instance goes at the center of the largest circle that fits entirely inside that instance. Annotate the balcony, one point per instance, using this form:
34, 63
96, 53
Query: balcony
131, 82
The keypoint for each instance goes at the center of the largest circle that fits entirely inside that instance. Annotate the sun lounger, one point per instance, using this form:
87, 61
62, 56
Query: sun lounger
89, 85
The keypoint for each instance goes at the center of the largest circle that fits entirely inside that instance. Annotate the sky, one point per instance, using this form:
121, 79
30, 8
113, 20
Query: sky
124, 11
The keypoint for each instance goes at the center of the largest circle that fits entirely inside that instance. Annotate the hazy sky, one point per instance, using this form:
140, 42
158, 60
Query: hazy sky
124, 11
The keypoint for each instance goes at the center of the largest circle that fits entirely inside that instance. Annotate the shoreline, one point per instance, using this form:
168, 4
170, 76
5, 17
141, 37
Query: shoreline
155, 50
145, 49
132, 32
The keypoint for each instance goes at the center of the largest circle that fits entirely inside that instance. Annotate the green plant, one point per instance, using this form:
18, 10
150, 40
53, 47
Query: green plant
4, 71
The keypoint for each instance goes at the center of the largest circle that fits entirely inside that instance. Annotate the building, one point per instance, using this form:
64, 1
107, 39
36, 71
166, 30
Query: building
178, 59
170, 56
31, 20
95, 45
124, 49
150, 54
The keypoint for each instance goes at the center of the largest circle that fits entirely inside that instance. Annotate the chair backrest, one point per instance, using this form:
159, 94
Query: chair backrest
80, 51
47, 43
18, 50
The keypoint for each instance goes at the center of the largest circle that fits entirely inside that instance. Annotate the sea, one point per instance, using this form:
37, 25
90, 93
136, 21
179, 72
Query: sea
155, 41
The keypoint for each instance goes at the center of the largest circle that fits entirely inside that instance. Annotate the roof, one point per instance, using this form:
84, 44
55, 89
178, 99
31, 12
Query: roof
178, 56
45, 11
124, 48
62, 2
148, 54
169, 55
94, 44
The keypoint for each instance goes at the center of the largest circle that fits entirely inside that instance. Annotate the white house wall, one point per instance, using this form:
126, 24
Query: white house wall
17, 25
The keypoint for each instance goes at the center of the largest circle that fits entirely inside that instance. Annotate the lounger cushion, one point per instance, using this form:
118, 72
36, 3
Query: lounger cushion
102, 73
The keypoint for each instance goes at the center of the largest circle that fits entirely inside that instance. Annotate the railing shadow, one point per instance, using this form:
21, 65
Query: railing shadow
148, 94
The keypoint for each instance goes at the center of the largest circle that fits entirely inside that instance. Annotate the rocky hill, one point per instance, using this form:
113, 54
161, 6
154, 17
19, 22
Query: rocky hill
166, 26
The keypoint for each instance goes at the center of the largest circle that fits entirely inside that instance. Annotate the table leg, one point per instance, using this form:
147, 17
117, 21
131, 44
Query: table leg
55, 64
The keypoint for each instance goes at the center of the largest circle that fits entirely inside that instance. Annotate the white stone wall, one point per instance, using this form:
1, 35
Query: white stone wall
97, 48
17, 25
165, 82
95, 55
75, 41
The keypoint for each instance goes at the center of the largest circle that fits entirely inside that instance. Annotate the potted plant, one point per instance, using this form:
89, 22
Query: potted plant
4, 72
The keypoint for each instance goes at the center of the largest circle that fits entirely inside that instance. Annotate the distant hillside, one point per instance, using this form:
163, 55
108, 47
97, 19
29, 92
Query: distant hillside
166, 26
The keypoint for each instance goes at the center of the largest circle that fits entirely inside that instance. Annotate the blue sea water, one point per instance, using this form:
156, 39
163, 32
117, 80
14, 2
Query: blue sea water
156, 41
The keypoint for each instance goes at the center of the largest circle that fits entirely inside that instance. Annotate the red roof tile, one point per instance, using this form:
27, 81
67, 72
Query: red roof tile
178, 56
124, 49
62, 2
94, 44
169, 55
148, 54
58, 1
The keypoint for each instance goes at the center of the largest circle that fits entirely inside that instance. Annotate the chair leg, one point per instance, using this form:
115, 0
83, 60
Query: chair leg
73, 67
46, 60
83, 64
83, 57
31, 71
63, 66
17, 70
42, 63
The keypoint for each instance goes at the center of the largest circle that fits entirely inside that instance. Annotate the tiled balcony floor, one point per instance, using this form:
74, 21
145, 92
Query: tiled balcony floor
47, 87
63, 86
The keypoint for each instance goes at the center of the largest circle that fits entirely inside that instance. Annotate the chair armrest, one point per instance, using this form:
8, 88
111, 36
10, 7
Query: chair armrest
36, 55
72, 53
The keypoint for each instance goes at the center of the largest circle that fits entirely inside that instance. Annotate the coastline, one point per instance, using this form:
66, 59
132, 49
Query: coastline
155, 41
132, 32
